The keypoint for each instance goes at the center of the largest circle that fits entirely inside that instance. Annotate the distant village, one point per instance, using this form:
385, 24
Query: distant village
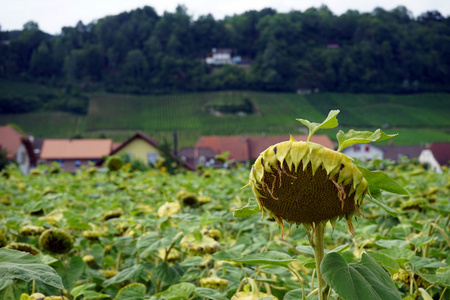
209, 151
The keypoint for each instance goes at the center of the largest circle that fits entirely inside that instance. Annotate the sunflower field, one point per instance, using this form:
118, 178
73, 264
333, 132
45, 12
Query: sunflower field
114, 233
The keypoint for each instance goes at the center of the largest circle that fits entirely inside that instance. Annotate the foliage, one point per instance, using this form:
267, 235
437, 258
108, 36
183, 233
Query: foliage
3, 158
113, 218
143, 52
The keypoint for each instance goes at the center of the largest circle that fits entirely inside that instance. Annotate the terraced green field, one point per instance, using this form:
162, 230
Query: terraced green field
420, 118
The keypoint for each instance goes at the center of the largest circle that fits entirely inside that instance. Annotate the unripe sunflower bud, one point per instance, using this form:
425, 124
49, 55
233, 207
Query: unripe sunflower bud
24, 247
187, 198
37, 296
55, 241
213, 233
169, 208
205, 245
89, 260
30, 230
114, 163
109, 273
173, 254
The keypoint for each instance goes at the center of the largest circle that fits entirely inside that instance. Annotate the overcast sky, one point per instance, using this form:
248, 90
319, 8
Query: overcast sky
52, 15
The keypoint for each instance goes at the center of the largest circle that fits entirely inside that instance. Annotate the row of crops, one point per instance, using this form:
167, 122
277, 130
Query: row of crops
101, 234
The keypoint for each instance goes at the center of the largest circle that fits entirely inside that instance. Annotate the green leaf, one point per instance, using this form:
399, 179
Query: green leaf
166, 273
4, 283
94, 295
209, 294
70, 273
421, 241
273, 258
330, 122
197, 235
308, 250
380, 180
76, 221
192, 261
133, 291
126, 274
21, 265
79, 290
250, 209
438, 278
387, 262
380, 203
392, 243
181, 290
293, 295
366, 280
400, 255
353, 137
425, 262
152, 242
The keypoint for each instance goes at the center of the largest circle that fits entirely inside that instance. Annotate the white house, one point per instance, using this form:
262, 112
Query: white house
435, 156
18, 148
364, 152
220, 57
426, 157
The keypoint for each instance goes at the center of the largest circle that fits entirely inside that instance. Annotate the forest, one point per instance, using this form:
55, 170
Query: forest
141, 52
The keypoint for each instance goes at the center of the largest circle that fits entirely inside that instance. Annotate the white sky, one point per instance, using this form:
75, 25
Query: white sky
52, 15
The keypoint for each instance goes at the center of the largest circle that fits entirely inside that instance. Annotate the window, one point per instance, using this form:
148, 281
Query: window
152, 157
77, 163
356, 148
367, 148
60, 162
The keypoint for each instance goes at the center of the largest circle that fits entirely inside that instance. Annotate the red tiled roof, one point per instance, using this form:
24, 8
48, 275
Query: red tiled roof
243, 148
441, 152
75, 148
10, 140
260, 143
236, 145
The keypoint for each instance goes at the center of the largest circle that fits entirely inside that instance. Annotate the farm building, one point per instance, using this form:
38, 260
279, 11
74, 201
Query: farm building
246, 149
435, 156
71, 154
18, 148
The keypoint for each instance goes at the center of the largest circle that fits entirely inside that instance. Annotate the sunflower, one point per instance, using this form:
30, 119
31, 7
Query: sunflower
307, 183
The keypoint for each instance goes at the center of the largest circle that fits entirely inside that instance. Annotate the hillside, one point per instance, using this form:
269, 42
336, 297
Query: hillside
418, 118
141, 52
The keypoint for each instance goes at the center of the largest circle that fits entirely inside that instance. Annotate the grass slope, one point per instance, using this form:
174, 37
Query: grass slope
418, 118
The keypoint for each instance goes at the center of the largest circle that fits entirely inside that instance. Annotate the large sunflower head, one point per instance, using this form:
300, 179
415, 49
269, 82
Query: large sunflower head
307, 183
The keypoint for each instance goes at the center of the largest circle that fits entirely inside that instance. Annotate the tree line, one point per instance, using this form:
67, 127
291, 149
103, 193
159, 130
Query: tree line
143, 52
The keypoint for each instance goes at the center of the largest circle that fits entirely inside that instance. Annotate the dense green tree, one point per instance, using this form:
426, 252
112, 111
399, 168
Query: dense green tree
143, 52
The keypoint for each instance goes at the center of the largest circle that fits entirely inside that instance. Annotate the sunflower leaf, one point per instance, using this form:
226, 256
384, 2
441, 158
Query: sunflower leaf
363, 280
330, 122
250, 209
382, 181
353, 137
21, 265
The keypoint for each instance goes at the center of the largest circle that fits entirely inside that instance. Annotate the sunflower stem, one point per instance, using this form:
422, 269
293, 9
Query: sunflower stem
318, 247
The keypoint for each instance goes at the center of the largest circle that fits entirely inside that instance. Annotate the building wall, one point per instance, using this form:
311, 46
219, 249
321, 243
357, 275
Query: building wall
23, 160
69, 165
139, 149
363, 152
427, 157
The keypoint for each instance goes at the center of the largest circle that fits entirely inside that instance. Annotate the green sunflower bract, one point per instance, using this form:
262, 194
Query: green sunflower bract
307, 183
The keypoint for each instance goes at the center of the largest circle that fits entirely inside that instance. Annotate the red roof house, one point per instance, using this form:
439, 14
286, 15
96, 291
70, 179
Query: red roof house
18, 148
71, 154
247, 148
